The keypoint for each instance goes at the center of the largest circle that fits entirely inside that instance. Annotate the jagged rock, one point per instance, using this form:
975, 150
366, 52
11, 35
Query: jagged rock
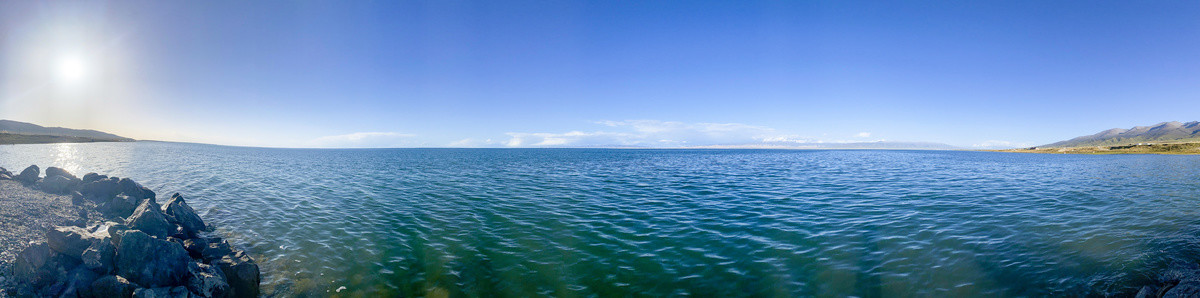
241, 273
130, 188
118, 206
112, 286
180, 232
150, 262
39, 265
207, 280
195, 246
149, 218
56, 184
114, 231
89, 177
101, 256
5, 174
176, 241
101, 230
79, 282
53, 290
1189, 287
178, 212
100, 190
162, 292
68, 240
77, 199
215, 250
59, 181
56, 171
29, 175
1146, 292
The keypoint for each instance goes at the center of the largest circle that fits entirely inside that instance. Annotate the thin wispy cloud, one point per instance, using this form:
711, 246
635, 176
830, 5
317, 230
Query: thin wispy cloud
473, 143
365, 140
998, 144
675, 134
645, 133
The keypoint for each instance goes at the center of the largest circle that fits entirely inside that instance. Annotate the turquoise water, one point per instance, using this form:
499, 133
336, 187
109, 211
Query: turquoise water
582, 222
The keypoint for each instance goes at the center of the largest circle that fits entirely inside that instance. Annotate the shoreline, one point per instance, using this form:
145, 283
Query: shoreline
24, 139
1140, 148
100, 236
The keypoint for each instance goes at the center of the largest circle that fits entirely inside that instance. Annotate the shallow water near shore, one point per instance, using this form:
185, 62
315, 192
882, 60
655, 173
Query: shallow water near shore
580, 222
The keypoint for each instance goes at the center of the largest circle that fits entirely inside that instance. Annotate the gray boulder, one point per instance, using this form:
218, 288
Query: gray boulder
118, 206
5, 174
214, 250
180, 232
1189, 287
59, 181
149, 218
101, 256
130, 188
79, 282
241, 273
100, 190
151, 262
178, 212
29, 175
162, 292
56, 184
38, 265
77, 199
90, 177
195, 246
56, 171
114, 231
68, 240
207, 280
112, 286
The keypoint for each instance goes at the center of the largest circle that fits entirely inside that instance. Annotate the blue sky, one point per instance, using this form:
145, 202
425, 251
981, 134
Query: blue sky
564, 73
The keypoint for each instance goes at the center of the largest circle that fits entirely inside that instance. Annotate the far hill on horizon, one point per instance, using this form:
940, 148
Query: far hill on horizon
1166, 132
15, 132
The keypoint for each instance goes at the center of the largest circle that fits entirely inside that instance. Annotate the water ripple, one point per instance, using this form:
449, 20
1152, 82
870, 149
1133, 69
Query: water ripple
416, 222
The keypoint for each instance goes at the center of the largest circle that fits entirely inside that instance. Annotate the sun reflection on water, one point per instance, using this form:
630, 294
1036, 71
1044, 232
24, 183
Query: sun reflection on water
66, 157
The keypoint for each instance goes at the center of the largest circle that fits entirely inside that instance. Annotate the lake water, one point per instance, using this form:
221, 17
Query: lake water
583, 222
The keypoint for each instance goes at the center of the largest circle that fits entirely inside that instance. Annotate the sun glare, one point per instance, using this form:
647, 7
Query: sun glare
72, 69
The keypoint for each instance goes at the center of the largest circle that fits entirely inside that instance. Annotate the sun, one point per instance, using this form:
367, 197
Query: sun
72, 69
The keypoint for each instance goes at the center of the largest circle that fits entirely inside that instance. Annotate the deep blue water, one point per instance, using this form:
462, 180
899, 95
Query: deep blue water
583, 222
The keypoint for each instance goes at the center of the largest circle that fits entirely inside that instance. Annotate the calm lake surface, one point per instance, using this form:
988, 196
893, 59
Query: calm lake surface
582, 222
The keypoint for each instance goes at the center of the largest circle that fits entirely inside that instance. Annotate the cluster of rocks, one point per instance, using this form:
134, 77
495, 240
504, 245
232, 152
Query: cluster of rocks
140, 249
1179, 281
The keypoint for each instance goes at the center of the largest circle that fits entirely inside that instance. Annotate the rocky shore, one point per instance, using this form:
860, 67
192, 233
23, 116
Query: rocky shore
1177, 282
100, 236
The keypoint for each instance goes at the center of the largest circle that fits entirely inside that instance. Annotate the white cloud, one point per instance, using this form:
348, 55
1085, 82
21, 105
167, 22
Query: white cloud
472, 143
365, 140
665, 134
647, 133
998, 144
789, 139
573, 138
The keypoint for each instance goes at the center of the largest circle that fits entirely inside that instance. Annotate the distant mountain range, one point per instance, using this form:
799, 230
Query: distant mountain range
29, 129
893, 145
1166, 132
